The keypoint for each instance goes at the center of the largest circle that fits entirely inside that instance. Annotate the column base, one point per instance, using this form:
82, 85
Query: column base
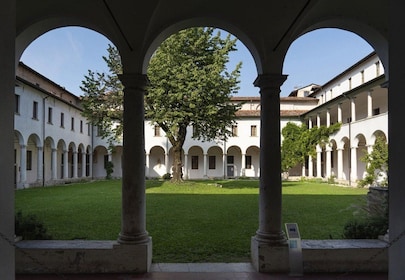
269, 255
133, 239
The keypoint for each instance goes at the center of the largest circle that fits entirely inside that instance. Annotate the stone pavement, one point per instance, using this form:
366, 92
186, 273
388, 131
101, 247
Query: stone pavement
203, 271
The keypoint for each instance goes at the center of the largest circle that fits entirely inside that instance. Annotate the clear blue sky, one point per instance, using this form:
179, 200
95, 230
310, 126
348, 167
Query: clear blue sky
64, 55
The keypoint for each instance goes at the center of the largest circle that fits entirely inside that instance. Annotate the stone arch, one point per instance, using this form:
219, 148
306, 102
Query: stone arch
157, 164
48, 149
361, 144
252, 162
99, 157
233, 161
195, 163
377, 133
372, 36
34, 30
215, 162
202, 21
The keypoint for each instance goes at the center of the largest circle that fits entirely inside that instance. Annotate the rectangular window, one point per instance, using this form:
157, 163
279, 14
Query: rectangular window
362, 76
194, 162
234, 130
157, 130
17, 103
29, 160
81, 126
253, 130
62, 120
376, 111
99, 131
211, 162
72, 125
50, 115
88, 129
248, 161
35, 110
377, 68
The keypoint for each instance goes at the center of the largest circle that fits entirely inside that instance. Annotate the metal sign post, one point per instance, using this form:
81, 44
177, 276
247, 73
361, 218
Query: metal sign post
294, 249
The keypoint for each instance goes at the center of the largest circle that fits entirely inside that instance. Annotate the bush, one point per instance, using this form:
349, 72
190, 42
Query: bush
109, 169
167, 176
30, 228
366, 229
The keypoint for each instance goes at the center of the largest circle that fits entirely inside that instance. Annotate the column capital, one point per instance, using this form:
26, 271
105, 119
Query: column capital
270, 81
134, 80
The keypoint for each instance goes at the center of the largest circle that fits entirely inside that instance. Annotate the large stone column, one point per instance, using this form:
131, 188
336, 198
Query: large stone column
396, 134
7, 82
269, 245
133, 224
134, 241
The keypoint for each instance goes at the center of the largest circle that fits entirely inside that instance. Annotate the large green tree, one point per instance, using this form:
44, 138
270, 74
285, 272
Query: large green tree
299, 142
190, 86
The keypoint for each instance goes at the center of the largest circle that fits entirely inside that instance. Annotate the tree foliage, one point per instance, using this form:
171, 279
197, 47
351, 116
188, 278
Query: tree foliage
377, 164
103, 98
299, 142
189, 86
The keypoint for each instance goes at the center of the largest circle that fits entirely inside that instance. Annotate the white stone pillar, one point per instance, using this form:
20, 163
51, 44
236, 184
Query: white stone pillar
75, 164
310, 123
7, 106
147, 165
54, 164
318, 120
310, 167
328, 117
303, 170
205, 166
353, 109
65, 164
328, 161
84, 164
167, 162
370, 103
270, 193
340, 164
90, 163
339, 113
318, 161
23, 165
243, 167
133, 221
186, 175
224, 165
353, 162
40, 164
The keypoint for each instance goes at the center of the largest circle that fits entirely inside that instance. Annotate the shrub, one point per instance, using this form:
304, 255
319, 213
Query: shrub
369, 228
109, 169
167, 176
30, 228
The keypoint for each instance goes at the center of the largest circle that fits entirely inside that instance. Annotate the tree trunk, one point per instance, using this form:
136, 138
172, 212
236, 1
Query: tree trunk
177, 164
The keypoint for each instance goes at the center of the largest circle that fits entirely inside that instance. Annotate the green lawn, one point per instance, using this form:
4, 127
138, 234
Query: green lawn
198, 221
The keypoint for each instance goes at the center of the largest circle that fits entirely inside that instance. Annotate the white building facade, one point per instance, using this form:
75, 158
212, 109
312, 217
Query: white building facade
54, 143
